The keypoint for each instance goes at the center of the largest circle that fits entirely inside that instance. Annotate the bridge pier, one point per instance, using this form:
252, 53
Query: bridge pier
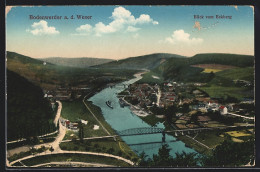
163, 137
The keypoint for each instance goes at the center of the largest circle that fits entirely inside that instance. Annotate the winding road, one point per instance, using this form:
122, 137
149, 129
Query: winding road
58, 140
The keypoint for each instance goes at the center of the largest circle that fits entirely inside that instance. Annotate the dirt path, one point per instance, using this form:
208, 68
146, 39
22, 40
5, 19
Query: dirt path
199, 142
73, 152
71, 163
58, 113
95, 117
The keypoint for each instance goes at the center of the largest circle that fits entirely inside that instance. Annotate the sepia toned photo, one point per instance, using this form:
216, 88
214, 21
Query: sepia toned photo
130, 86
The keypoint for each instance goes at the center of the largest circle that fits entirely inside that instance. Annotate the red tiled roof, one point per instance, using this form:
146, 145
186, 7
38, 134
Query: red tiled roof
221, 107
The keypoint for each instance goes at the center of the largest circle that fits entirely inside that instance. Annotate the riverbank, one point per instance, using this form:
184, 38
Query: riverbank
86, 110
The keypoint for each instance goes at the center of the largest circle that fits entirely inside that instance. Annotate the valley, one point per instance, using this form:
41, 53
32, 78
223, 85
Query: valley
196, 104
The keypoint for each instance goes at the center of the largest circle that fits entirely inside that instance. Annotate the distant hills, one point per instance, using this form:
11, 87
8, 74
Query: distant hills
49, 76
81, 62
150, 61
168, 66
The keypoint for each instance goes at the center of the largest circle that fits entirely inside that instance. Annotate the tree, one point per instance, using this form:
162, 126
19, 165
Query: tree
231, 153
185, 159
164, 159
170, 112
143, 161
81, 132
51, 149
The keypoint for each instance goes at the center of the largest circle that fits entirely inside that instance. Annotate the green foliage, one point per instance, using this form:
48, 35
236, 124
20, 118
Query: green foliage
164, 159
246, 73
24, 154
150, 61
231, 154
152, 77
180, 69
225, 59
29, 114
81, 131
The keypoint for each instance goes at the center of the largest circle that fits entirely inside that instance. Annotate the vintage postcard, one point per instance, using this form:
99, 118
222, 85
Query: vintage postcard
130, 86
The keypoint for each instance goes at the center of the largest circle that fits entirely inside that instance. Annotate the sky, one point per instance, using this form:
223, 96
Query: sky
117, 32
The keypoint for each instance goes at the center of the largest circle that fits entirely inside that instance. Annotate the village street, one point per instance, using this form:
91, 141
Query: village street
246, 117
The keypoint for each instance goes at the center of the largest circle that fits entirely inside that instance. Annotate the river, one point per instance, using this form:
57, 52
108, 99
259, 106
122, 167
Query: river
122, 118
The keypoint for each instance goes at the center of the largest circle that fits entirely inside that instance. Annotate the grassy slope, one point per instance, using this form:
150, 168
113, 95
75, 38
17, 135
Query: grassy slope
141, 62
238, 73
223, 83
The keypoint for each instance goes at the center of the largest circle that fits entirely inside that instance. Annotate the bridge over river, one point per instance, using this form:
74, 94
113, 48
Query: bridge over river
154, 130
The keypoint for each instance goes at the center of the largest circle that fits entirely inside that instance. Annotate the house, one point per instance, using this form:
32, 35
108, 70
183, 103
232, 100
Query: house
223, 110
73, 126
179, 114
67, 122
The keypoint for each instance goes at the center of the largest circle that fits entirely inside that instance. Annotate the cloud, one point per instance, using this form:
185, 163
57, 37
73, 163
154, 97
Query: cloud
84, 28
132, 29
179, 36
42, 28
122, 20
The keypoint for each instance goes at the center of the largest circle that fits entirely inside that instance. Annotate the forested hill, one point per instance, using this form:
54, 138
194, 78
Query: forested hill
81, 62
150, 61
29, 114
225, 59
181, 68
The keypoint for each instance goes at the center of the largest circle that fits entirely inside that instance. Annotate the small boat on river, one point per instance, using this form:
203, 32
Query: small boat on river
108, 103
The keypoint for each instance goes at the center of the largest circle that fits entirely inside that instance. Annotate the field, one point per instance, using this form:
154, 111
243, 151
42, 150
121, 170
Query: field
77, 110
214, 66
238, 73
209, 138
220, 91
106, 145
151, 77
209, 70
238, 133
